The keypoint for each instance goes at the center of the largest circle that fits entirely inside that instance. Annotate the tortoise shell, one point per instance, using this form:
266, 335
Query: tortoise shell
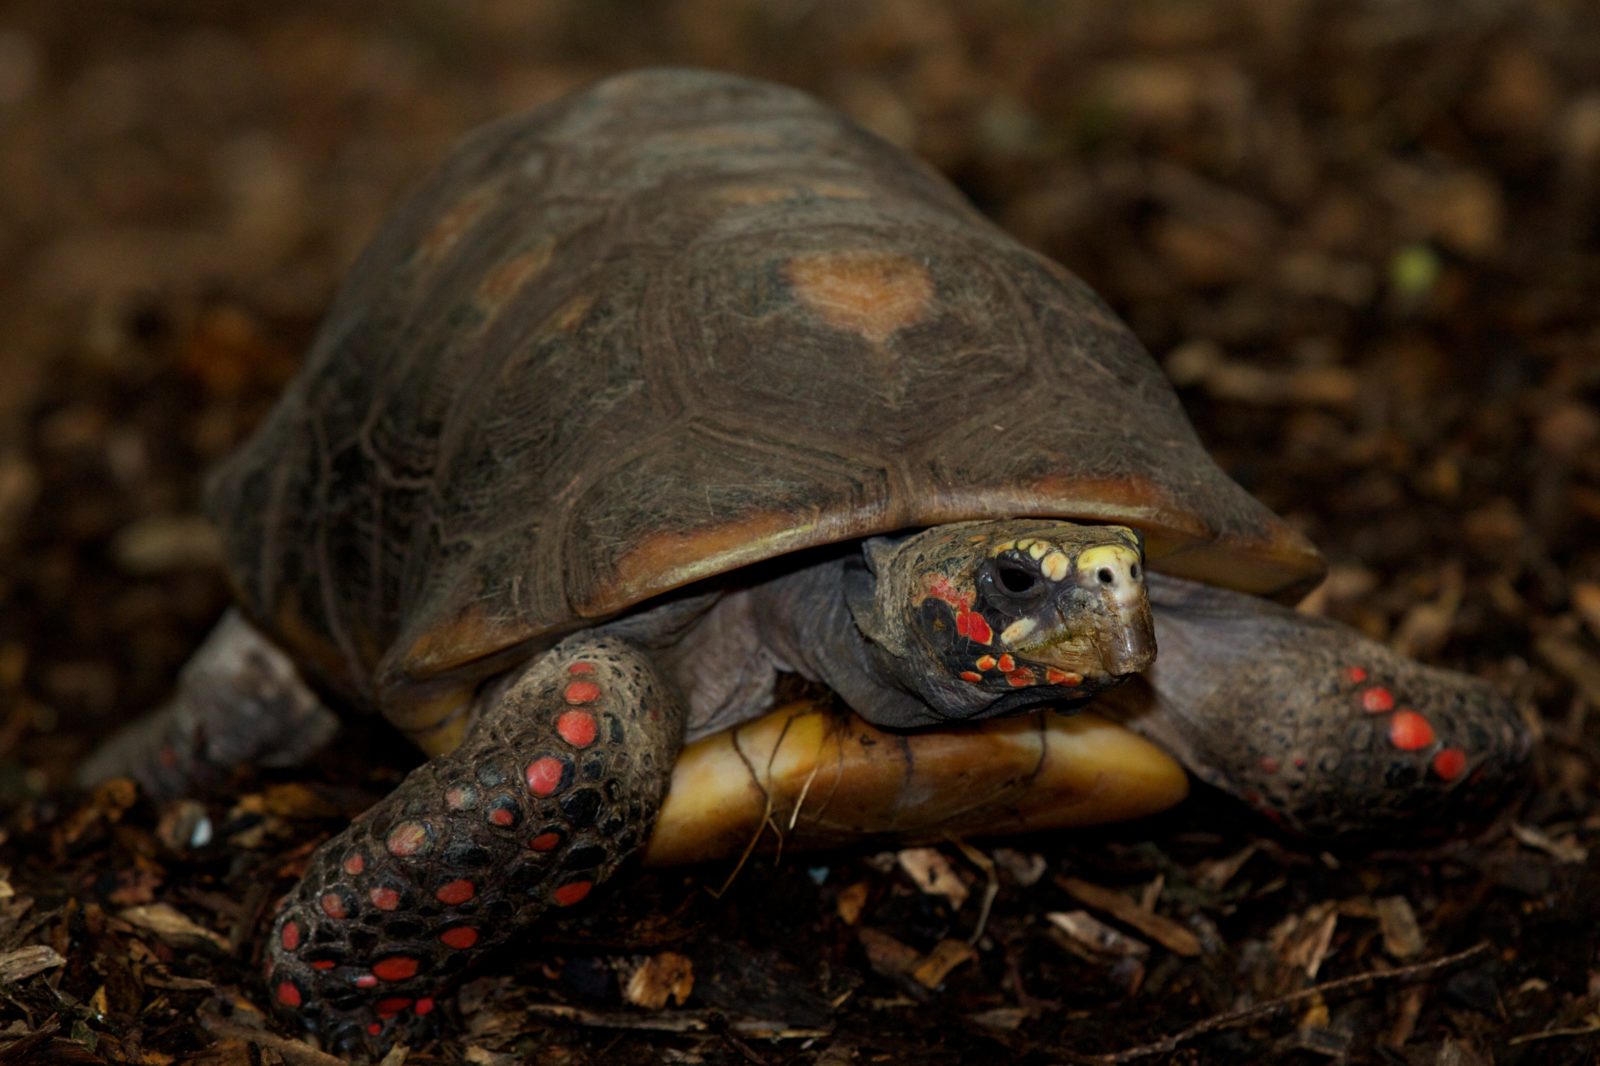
666, 328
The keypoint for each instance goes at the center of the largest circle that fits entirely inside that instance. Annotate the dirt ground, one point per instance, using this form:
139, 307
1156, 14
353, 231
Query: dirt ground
1364, 240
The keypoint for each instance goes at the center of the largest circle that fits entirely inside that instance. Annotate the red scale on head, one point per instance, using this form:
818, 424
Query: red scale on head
1021, 677
1062, 677
1006, 663
985, 662
973, 626
970, 676
1355, 674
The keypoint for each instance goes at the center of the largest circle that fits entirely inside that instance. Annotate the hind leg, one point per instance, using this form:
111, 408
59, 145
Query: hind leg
239, 700
1318, 727
557, 782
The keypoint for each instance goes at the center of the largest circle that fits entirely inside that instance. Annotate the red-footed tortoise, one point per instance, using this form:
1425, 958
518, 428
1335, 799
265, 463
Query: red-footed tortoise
683, 381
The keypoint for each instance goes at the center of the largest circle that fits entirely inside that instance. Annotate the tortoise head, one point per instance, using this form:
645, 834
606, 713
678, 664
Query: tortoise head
986, 618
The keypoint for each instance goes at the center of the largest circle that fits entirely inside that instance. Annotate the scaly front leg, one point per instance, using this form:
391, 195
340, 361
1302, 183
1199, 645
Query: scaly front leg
558, 782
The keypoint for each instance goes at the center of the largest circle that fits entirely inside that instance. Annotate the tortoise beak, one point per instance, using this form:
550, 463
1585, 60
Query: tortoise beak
1128, 646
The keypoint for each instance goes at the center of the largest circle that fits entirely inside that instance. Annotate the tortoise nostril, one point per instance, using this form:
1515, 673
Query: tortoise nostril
1106, 576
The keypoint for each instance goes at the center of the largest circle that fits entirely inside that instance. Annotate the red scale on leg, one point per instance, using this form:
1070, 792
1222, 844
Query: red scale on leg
581, 667
1355, 674
1409, 731
547, 841
290, 937
578, 692
288, 994
461, 937
544, 775
456, 892
388, 1008
366, 980
1377, 700
409, 839
578, 728
334, 906
354, 863
395, 968
1450, 763
571, 892
385, 899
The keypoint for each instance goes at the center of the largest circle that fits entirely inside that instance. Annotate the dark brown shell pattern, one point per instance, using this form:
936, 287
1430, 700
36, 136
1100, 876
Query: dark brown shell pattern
666, 328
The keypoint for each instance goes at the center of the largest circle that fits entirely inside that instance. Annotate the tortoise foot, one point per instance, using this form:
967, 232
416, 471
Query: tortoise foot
557, 782
1323, 730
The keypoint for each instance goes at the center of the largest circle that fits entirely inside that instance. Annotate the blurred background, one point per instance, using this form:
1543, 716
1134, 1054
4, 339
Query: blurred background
1362, 237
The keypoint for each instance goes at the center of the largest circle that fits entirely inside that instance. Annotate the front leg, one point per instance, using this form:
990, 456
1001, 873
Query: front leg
557, 782
1318, 727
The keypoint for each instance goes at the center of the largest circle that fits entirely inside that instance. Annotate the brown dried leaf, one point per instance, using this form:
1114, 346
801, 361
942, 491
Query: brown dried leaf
1170, 934
1402, 937
852, 900
22, 963
1085, 929
172, 927
937, 964
887, 955
659, 978
933, 874
1301, 940
108, 802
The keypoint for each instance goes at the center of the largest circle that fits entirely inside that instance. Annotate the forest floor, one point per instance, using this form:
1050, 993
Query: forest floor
1362, 238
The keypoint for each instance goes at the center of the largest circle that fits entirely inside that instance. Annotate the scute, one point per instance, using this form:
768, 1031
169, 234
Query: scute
661, 330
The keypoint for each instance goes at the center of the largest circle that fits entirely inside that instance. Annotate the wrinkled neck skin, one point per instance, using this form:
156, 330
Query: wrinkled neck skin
806, 623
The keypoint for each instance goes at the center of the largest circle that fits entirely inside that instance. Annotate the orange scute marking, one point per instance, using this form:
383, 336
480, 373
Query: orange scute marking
572, 892
1409, 731
872, 293
461, 937
1450, 763
395, 968
457, 891
1377, 699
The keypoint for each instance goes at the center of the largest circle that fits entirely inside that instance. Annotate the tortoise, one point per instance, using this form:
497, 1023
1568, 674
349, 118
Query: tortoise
684, 381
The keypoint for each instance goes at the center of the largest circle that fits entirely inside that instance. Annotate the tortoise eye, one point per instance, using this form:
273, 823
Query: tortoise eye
1015, 577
